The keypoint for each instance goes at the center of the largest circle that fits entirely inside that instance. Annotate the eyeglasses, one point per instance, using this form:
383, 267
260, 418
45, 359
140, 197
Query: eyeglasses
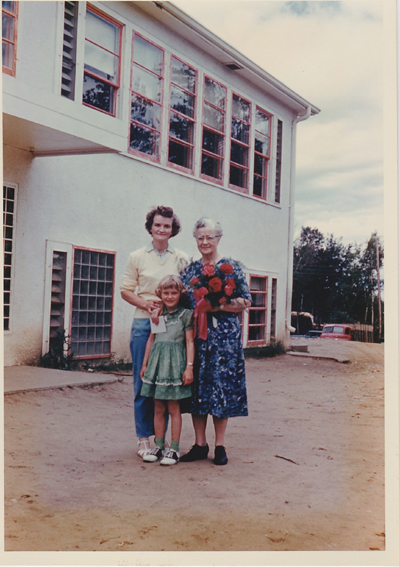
206, 238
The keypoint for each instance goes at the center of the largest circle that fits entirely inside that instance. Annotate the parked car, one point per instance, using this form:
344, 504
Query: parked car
336, 331
313, 334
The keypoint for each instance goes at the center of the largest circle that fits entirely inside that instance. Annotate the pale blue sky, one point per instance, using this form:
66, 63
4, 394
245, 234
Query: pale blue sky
331, 53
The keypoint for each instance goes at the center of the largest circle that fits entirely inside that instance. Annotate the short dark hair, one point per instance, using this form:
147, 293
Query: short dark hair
166, 212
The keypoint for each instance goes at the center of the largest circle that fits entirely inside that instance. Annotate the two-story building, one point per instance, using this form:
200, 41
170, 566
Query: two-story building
110, 108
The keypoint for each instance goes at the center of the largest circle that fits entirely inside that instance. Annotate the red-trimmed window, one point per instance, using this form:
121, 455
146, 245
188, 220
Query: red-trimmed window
240, 139
146, 97
258, 309
92, 303
9, 24
182, 113
213, 147
278, 162
101, 79
262, 148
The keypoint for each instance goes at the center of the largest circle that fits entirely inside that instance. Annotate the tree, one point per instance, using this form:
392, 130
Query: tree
336, 283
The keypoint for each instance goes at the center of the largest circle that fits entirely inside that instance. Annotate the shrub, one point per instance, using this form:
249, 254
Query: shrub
269, 351
56, 357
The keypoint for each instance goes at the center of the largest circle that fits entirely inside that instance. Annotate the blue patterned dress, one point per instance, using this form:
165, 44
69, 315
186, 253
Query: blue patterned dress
219, 386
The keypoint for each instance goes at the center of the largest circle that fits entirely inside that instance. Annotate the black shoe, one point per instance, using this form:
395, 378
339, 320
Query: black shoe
220, 456
196, 453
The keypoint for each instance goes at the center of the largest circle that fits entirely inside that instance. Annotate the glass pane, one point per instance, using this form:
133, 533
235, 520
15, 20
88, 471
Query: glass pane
101, 62
240, 131
183, 75
181, 128
239, 154
146, 84
8, 27
213, 142
262, 144
256, 317
260, 164
238, 177
102, 32
258, 284
258, 186
256, 333
258, 299
144, 140
214, 93
211, 166
9, 6
180, 155
148, 55
7, 53
214, 118
240, 108
84, 273
262, 122
182, 101
98, 94
94, 258
145, 111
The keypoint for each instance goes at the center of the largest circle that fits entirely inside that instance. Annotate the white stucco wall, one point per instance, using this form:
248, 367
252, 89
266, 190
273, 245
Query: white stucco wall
101, 202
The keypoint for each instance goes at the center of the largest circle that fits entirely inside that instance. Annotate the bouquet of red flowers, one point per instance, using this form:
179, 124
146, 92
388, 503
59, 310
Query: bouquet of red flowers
216, 284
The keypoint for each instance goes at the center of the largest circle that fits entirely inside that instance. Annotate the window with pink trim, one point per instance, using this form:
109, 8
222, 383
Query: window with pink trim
9, 49
146, 97
213, 146
101, 79
182, 113
92, 303
240, 148
258, 309
262, 145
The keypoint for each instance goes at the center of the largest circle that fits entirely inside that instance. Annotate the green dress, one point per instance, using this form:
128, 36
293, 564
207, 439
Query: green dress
167, 361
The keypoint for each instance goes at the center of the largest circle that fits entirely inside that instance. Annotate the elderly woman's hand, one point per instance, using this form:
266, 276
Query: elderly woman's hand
241, 302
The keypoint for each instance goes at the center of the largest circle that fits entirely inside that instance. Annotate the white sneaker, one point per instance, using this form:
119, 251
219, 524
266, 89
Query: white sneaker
144, 447
171, 457
154, 455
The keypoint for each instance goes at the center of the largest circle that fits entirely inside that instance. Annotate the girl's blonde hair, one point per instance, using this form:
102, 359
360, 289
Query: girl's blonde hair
170, 281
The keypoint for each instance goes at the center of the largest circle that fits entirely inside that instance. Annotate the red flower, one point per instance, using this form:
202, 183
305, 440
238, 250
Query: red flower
222, 300
194, 281
200, 293
230, 282
228, 290
208, 270
226, 268
215, 284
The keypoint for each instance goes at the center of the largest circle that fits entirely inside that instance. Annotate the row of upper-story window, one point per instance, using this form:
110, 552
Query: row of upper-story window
171, 95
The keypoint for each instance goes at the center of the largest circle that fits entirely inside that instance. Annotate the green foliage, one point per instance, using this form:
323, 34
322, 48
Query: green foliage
109, 365
56, 357
269, 351
335, 283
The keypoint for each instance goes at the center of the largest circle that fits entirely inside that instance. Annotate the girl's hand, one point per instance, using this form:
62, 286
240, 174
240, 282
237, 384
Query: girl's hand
187, 376
143, 370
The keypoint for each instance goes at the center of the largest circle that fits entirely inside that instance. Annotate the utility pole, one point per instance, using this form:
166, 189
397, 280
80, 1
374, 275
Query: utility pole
379, 291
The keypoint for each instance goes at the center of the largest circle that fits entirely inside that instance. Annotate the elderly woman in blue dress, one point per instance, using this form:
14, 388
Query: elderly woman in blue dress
219, 387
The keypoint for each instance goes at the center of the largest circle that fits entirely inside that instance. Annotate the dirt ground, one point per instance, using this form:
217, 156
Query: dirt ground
305, 471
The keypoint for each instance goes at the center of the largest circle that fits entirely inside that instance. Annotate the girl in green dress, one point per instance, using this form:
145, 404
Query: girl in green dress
167, 371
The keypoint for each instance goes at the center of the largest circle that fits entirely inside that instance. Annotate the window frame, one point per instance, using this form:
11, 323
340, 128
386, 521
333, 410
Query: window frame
223, 133
12, 70
278, 160
101, 251
264, 308
263, 156
195, 94
154, 158
13, 186
245, 190
116, 86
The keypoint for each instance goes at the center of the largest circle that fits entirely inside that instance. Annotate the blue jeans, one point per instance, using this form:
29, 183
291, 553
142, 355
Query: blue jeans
143, 407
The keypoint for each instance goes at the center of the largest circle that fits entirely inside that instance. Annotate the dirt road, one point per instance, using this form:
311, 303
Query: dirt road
305, 471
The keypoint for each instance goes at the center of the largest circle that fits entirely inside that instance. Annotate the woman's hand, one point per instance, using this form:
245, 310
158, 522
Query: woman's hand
155, 314
187, 376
